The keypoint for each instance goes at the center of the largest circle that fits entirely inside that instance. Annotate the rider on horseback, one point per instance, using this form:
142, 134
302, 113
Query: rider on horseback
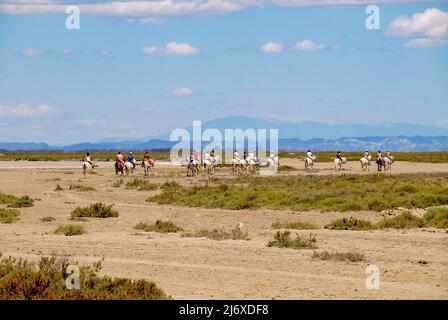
389, 155
367, 156
87, 159
131, 159
193, 158
338, 155
310, 155
147, 158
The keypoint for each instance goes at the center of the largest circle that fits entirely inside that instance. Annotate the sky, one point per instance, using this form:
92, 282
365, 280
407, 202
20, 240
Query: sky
137, 69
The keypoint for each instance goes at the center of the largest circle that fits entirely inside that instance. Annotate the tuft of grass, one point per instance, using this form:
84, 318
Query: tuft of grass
350, 224
339, 256
404, 220
436, 217
118, 183
48, 219
294, 225
9, 215
46, 280
58, 188
70, 229
141, 185
159, 226
96, 210
284, 240
219, 234
81, 187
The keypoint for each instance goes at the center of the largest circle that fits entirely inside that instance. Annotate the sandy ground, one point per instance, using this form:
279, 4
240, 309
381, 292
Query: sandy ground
199, 268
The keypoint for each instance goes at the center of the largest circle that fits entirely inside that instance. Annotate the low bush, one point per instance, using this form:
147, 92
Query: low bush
46, 280
219, 234
436, 217
9, 215
16, 202
350, 224
81, 187
159, 226
96, 210
284, 240
141, 185
294, 225
70, 229
404, 220
339, 256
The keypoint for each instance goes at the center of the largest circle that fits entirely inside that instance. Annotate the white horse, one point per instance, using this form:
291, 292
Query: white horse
309, 163
209, 163
273, 161
193, 166
129, 167
87, 167
388, 163
339, 162
365, 163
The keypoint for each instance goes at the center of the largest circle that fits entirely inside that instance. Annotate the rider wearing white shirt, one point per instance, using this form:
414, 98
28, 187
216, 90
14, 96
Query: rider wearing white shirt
310, 155
367, 156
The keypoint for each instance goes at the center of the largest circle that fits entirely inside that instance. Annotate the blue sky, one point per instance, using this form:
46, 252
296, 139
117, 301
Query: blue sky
141, 73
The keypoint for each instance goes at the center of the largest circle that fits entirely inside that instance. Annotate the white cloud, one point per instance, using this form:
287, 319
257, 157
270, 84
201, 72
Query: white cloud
172, 48
89, 122
426, 43
24, 110
272, 47
306, 3
136, 8
128, 8
68, 51
182, 92
32, 52
147, 20
104, 53
432, 23
308, 45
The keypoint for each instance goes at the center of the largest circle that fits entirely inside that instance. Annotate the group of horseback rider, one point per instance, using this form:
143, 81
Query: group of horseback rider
379, 157
120, 161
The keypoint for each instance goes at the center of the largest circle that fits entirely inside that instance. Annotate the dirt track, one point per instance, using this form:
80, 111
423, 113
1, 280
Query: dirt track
199, 268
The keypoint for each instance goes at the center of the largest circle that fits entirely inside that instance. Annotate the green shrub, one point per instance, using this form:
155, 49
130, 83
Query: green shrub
294, 225
339, 256
304, 193
21, 280
9, 215
81, 187
15, 202
404, 220
436, 217
70, 229
141, 185
350, 224
284, 240
158, 226
219, 234
48, 219
96, 210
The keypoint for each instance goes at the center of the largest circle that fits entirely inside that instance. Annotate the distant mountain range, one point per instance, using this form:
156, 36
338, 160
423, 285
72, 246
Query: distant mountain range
292, 136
